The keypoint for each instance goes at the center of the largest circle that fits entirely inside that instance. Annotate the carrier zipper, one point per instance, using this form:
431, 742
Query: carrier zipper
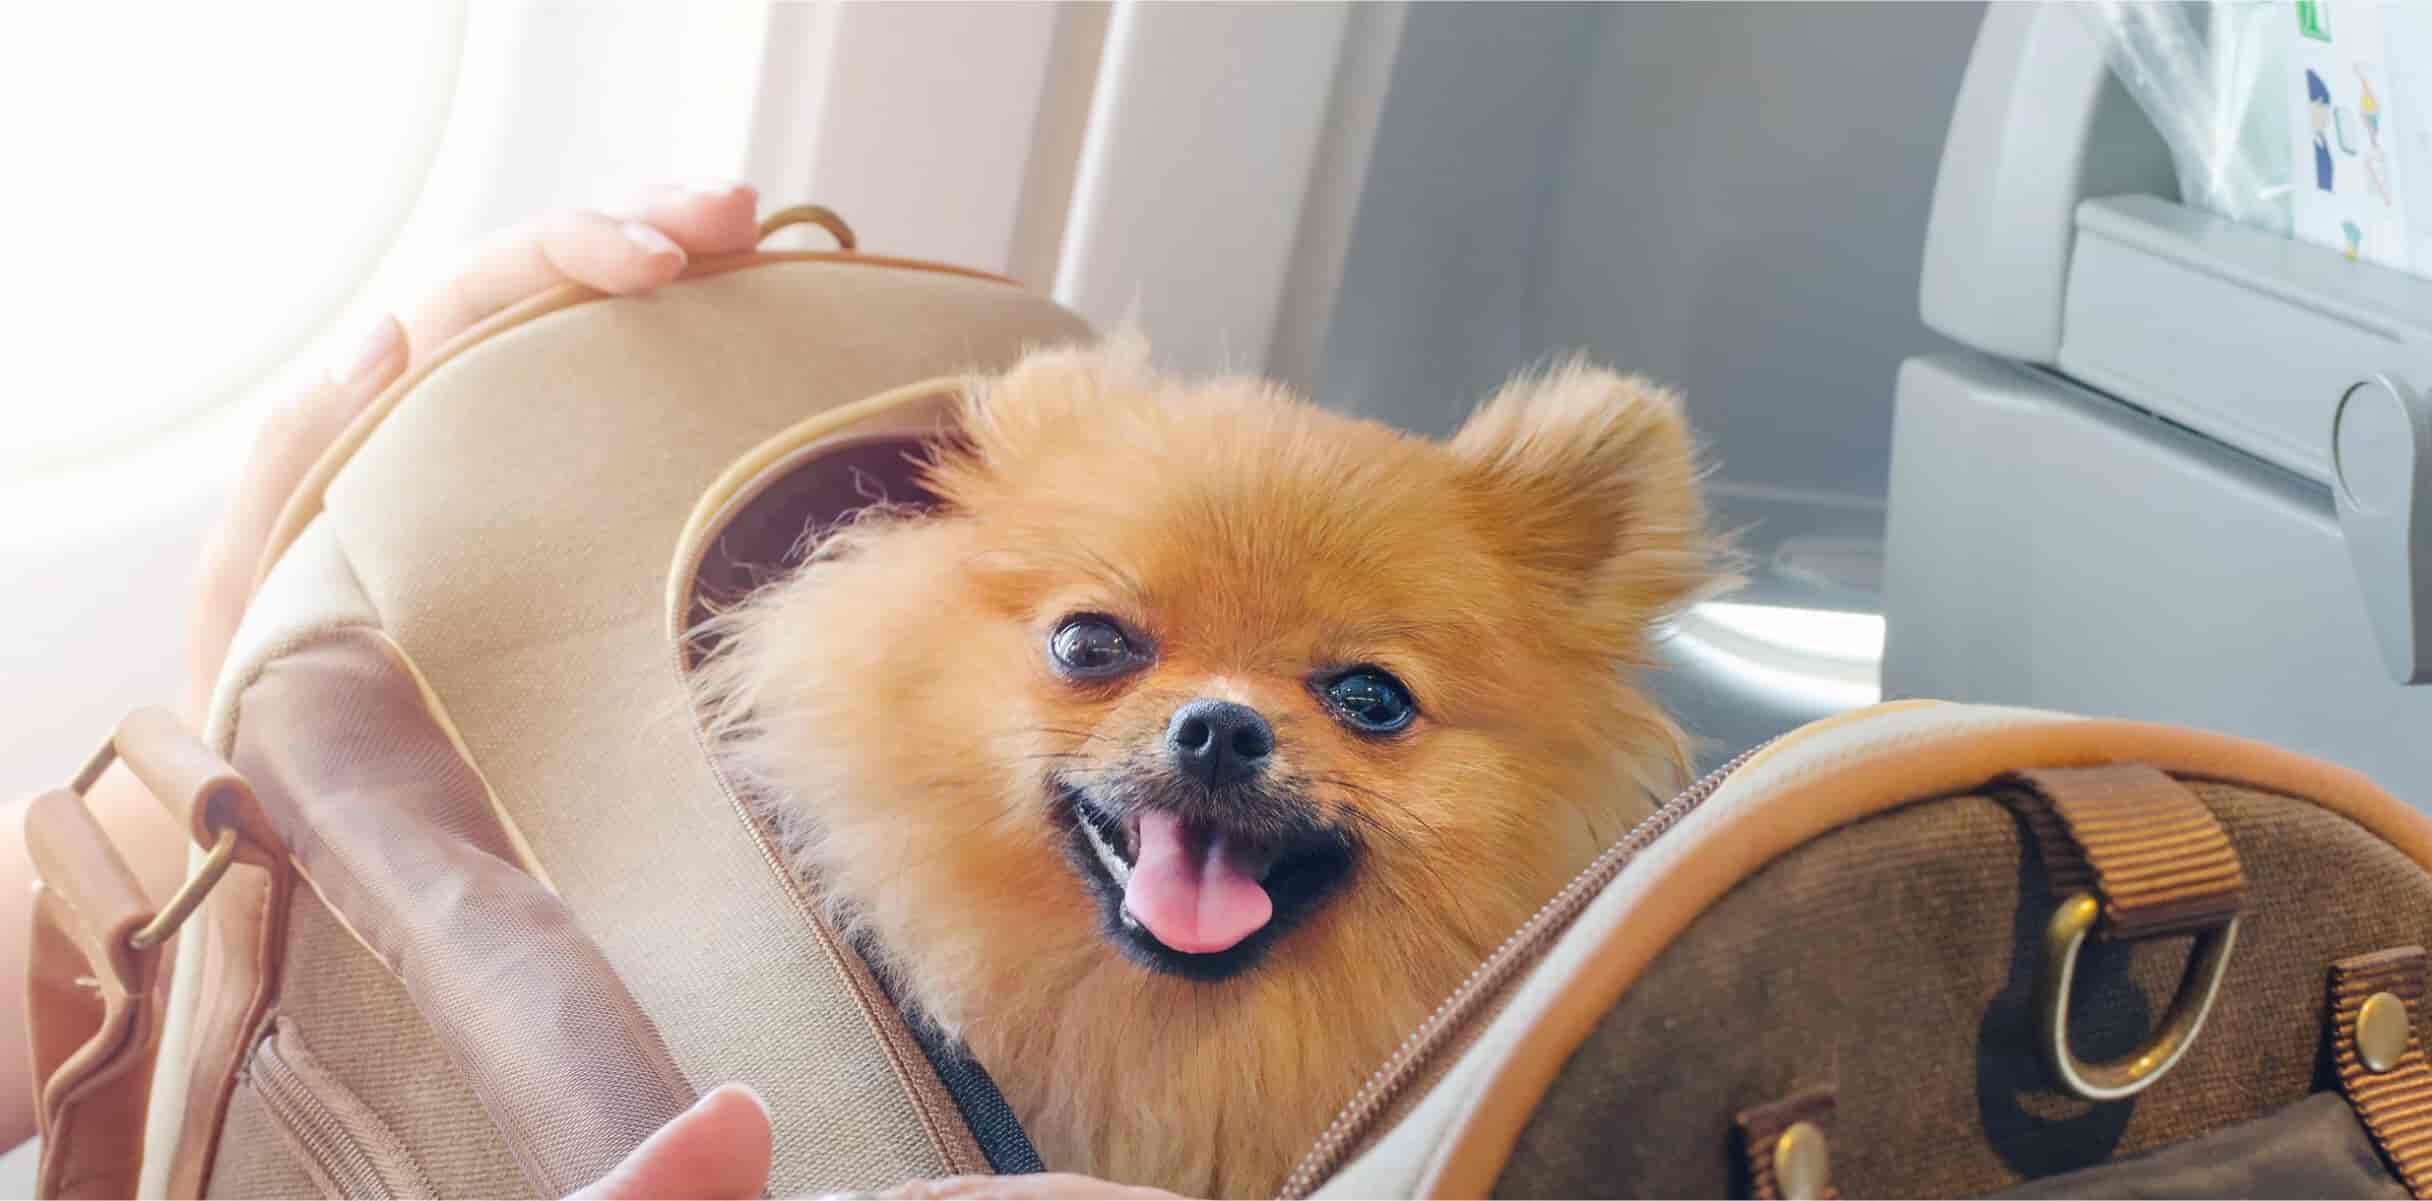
892, 1043
322, 1133
1409, 1061
734, 800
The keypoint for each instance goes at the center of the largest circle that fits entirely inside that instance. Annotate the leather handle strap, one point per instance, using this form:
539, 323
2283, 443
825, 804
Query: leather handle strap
2158, 859
90, 995
93, 972
196, 785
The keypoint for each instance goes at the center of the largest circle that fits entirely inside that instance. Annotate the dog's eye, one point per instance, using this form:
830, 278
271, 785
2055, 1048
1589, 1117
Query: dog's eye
1092, 647
1371, 701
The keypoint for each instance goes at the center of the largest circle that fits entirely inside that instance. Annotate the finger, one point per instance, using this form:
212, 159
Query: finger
710, 217
1019, 1188
297, 431
370, 360
613, 254
624, 252
717, 1151
580, 247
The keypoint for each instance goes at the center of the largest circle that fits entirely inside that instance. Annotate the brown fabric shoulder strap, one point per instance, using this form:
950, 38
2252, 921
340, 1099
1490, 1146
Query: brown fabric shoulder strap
2374, 1000
2157, 858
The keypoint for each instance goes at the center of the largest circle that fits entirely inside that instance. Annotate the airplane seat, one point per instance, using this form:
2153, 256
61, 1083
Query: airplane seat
2174, 468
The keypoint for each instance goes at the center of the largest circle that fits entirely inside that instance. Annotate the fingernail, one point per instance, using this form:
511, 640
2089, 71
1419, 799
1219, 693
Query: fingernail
734, 1087
714, 187
369, 349
650, 240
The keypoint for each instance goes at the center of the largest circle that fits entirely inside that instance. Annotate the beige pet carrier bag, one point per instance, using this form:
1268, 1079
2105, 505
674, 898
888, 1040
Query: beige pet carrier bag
492, 916
477, 914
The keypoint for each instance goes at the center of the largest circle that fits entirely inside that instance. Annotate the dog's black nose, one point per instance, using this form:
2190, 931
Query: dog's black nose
1219, 742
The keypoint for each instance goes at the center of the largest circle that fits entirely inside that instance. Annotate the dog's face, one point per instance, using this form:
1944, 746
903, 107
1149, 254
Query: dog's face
1207, 683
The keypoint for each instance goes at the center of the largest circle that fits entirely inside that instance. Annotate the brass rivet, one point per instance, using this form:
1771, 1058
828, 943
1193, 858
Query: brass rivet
1802, 1163
2381, 1031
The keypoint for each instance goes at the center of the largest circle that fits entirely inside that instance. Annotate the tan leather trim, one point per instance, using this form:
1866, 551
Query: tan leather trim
227, 978
239, 939
438, 713
921, 406
245, 925
101, 899
167, 1104
1480, 1138
92, 1001
195, 783
93, 1026
1836, 721
305, 502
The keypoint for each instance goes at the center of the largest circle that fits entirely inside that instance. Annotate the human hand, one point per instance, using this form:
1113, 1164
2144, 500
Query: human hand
719, 1151
626, 255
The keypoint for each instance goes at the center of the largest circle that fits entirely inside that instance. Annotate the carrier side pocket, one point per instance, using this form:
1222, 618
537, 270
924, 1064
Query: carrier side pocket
339, 1141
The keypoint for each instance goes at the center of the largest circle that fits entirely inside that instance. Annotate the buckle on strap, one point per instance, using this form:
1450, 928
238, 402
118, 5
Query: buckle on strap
71, 850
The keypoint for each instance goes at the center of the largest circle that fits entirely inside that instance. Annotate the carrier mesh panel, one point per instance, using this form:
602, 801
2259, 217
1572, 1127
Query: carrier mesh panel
396, 831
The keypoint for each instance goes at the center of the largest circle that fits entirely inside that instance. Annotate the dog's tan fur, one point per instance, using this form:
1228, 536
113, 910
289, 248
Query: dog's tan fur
895, 694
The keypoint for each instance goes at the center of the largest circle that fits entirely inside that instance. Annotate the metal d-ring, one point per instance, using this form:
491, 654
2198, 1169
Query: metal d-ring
189, 895
2207, 962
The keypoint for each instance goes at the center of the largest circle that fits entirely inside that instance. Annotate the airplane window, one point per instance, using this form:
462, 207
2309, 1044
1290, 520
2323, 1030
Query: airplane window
225, 132
1696, 192
1849, 639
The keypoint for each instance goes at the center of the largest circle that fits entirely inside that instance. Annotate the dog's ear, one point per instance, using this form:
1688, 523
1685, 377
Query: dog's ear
1589, 480
1033, 402
1032, 409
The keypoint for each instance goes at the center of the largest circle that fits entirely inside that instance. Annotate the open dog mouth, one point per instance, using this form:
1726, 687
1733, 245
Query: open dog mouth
1195, 896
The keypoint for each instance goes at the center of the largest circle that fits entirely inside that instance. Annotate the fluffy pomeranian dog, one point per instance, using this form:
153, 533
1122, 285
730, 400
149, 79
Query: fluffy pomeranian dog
1201, 740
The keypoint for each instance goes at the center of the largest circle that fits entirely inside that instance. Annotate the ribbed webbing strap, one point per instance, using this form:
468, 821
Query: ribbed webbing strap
1761, 1131
2395, 1104
2139, 840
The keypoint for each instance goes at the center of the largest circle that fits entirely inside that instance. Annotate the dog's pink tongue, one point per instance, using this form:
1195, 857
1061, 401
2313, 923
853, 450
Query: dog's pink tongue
1188, 891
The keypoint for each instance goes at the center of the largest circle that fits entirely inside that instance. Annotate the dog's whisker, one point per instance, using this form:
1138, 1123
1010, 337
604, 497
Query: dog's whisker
1012, 809
1374, 795
1370, 822
1348, 786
